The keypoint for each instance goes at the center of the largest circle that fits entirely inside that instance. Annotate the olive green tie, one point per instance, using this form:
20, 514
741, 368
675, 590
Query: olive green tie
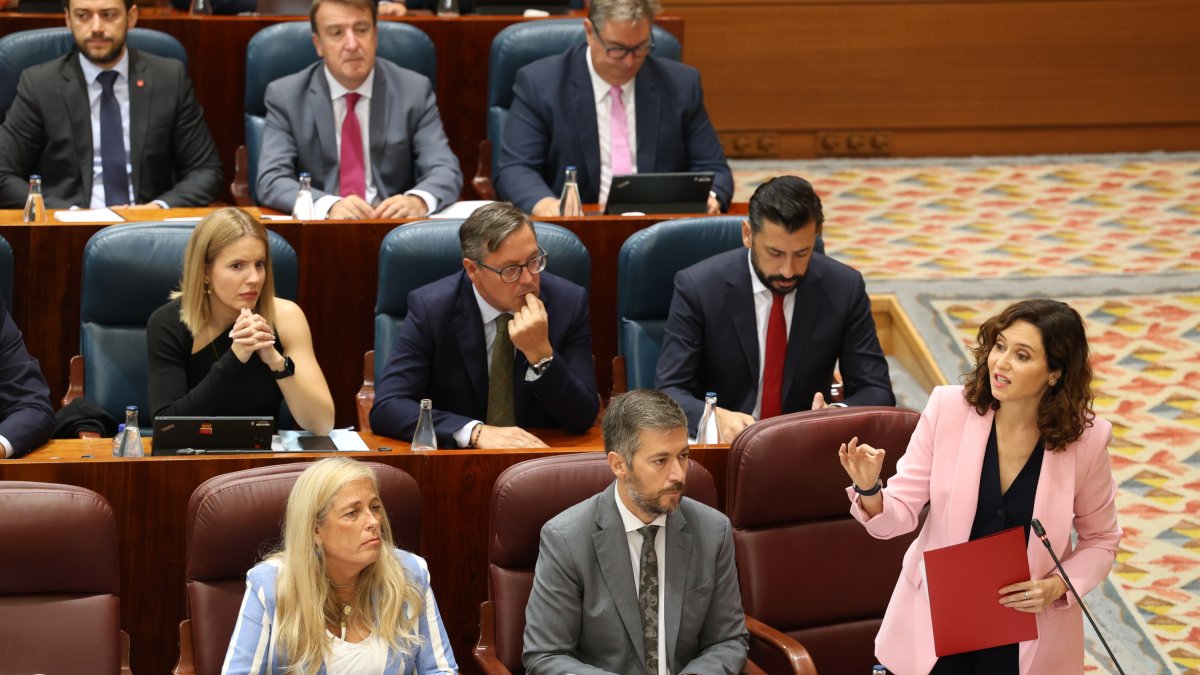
500, 411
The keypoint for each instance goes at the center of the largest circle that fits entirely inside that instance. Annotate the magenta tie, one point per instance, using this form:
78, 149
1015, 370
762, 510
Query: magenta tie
618, 142
352, 177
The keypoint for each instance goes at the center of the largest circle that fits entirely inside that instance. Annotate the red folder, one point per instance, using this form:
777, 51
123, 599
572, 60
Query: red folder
964, 584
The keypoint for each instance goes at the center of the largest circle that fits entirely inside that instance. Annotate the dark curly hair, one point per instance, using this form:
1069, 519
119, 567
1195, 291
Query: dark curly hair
1066, 408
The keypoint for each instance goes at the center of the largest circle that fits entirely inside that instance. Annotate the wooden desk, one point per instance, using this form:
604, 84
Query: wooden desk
149, 498
216, 48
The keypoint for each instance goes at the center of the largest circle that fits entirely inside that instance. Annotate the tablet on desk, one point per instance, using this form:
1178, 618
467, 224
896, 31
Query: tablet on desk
213, 435
685, 192
283, 7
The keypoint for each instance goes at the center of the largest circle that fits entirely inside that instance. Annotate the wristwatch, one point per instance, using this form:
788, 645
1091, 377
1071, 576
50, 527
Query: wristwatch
289, 369
541, 366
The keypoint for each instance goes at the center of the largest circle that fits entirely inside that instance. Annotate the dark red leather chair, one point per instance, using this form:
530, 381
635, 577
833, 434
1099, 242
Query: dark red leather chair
233, 520
60, 611
805, 567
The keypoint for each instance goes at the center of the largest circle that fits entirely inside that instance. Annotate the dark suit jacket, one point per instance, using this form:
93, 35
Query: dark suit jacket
552, 125
48, 131
583, 614
440, 354
26, 418
409, 148
711, 343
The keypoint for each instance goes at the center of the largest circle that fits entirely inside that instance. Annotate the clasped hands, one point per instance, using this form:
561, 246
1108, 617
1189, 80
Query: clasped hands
529, 331
251, 334
354, 207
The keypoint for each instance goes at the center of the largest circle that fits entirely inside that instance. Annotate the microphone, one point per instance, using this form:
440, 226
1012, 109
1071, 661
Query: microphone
1041, 534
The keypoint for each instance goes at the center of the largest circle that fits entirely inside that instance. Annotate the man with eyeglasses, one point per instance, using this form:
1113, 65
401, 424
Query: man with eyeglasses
608, 108
499, 347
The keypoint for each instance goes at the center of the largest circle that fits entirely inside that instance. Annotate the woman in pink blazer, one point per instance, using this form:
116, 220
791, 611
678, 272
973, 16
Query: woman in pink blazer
1018, 441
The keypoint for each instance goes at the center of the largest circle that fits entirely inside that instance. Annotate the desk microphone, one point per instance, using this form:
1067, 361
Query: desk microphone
1041, 534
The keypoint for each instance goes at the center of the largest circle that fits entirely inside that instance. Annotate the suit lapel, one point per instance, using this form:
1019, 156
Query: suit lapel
968, 466
739, 303
378, 130
612, 556
322, 109
78, 107
468, 326
140, 96
679, 558
647, 103
805, 309
1053, 506
583, 104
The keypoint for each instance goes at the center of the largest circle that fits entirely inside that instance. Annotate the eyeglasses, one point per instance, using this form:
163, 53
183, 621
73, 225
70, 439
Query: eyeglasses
511, 273
618, 52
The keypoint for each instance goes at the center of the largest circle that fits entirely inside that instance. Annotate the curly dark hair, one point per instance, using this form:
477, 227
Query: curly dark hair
1066, 408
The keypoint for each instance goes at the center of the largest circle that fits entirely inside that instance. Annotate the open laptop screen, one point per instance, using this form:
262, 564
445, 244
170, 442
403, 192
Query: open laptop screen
175, 434
660, 193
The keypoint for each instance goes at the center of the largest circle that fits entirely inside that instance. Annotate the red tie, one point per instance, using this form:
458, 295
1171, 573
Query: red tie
352, 178
772, 377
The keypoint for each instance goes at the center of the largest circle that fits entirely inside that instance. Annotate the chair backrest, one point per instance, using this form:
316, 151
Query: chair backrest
234, 520
6, 272
128, 272
285, 48
805, 566
523, 43
59, 581
19, 51
524, 497
419, 253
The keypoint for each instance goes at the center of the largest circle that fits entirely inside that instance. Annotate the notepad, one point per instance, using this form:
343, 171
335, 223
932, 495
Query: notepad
88, 216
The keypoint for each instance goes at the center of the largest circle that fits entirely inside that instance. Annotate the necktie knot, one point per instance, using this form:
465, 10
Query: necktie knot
502, 322
648, 532
615, 93
107, 79
352, 100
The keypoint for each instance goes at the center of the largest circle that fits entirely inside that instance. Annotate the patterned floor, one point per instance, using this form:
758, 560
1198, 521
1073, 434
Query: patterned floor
1119, 239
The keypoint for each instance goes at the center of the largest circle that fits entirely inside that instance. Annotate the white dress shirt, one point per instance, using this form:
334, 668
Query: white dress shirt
8, 448
368, 657
91, 73
632, 524
762, 317
601, 90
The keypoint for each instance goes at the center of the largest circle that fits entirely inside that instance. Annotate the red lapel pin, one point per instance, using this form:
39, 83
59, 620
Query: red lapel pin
141, 83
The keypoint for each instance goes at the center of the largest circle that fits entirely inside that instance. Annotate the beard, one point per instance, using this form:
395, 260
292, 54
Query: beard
653, 504
104, 54
775, 282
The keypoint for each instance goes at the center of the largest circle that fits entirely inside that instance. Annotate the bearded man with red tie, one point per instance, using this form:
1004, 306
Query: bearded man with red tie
764, 328
367, 131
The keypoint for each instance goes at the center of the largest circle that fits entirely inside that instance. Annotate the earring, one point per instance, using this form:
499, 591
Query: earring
207, 289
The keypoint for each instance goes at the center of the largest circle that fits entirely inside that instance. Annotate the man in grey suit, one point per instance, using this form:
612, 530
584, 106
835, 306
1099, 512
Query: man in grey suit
106, 125
639, 578
399, 164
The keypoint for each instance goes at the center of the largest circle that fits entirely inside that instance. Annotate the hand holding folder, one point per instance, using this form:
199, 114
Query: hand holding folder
964, 581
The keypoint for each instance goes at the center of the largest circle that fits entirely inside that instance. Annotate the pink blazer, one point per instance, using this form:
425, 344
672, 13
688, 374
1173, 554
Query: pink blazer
942, 467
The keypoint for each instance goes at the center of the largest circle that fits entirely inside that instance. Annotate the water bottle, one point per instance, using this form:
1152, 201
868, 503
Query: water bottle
709, 433
424, 438
117, 440
200, 8
303, 210
131, 441
35, 206
447, 7
569, 204
878, 670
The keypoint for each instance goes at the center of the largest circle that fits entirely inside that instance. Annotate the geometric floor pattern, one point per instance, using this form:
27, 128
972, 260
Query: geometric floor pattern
1117, 237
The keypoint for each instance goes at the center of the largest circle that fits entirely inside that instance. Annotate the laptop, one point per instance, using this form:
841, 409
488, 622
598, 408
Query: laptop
211, 435
516, 7
283, 7
685, 192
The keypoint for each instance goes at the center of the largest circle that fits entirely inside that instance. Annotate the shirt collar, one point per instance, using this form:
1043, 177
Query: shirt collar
600, 87
631, 522
91, 71
486, 311
336, 90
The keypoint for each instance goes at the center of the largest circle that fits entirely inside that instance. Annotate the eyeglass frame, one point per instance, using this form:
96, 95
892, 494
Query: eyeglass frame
624, 51
542, 257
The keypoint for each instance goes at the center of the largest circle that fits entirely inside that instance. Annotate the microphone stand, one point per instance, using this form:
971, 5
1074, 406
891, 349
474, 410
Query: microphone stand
1041, 534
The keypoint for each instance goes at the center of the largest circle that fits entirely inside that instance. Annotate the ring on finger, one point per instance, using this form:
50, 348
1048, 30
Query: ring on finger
1026, 595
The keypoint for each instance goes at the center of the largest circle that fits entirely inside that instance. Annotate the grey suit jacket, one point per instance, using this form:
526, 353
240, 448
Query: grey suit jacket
48, 131
583, 614
409, 148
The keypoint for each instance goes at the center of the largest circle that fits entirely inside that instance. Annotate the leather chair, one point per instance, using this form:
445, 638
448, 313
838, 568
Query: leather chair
646, 271
514, 48
422, 252
806, 568
285, 48
524, 497
233, 521
19, 51
6, 273
128, 272
60, 579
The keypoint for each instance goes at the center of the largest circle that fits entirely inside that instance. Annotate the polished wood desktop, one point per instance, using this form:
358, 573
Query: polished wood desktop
149, 498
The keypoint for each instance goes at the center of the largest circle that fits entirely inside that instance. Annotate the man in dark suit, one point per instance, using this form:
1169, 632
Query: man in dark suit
607, 108
764, 329
26, 418
144, 142
499, 346
639, 578
400, 164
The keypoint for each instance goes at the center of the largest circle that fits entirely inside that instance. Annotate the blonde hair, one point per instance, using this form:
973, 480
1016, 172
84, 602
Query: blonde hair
388, 602
213, 234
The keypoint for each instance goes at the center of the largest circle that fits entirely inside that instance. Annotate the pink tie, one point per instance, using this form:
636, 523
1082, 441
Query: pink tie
352, 178
618, 140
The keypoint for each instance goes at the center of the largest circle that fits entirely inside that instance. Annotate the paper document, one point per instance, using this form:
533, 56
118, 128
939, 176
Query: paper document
88, 216
460, 209
345, 440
